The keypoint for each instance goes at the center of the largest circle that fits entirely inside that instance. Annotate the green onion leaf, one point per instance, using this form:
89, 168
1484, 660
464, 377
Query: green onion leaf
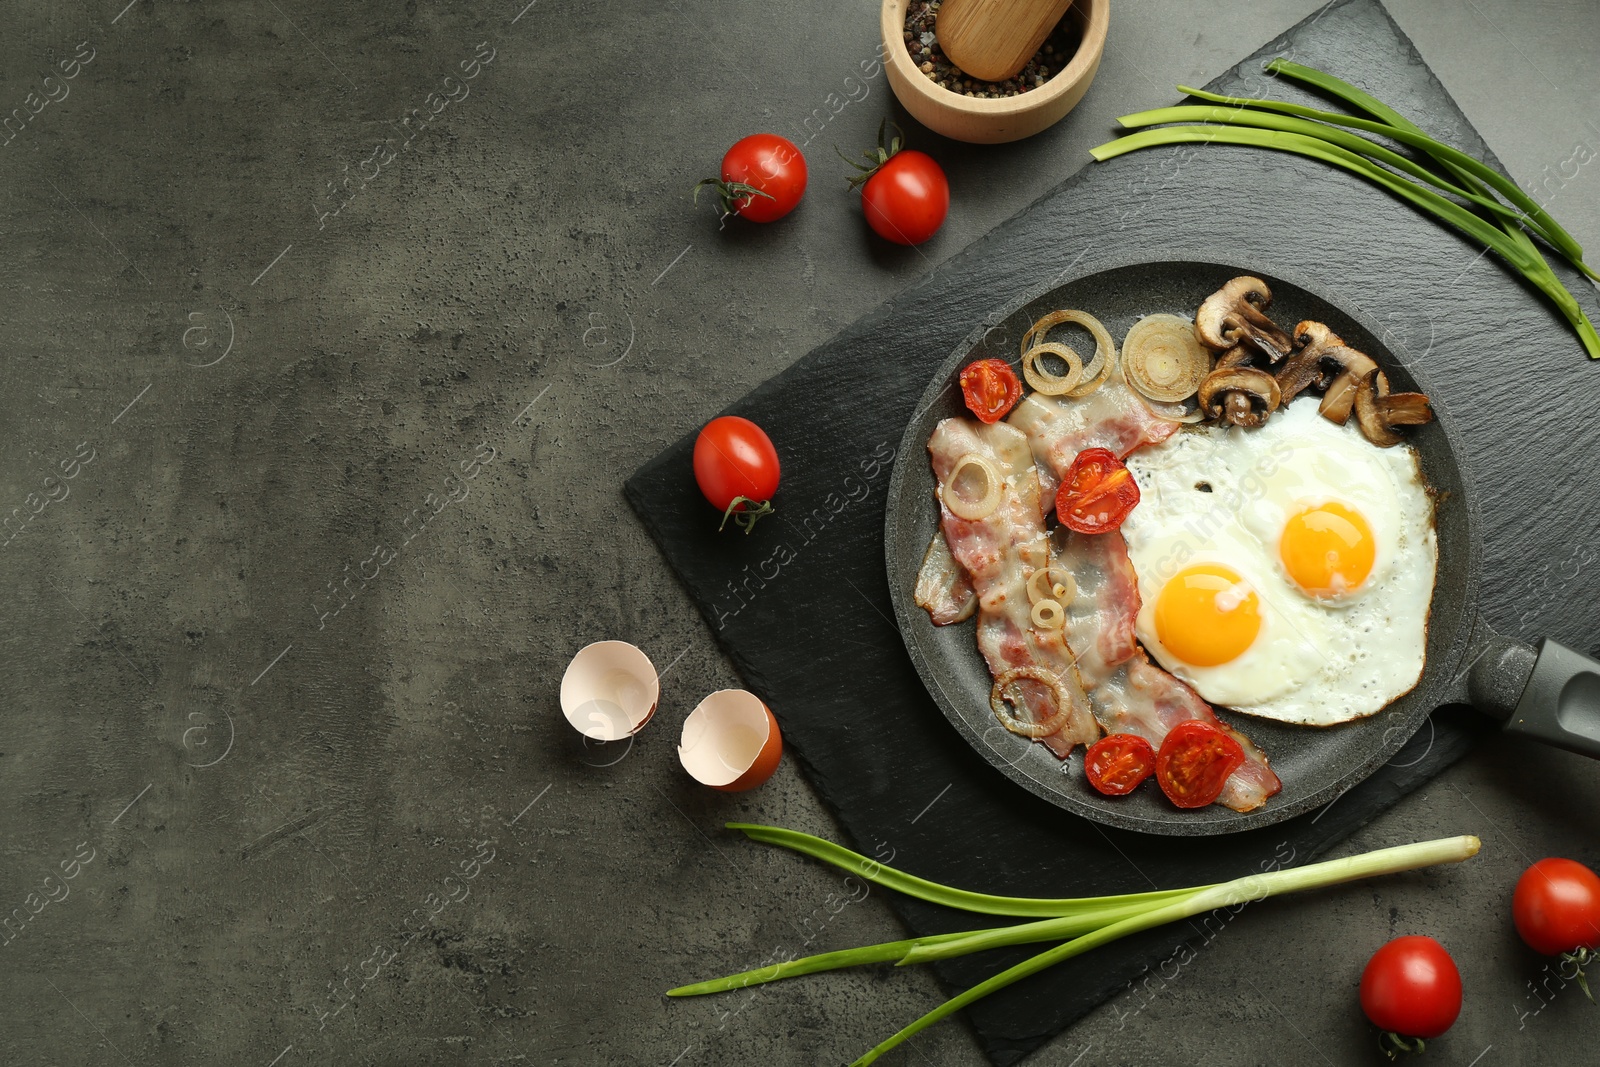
1546, 226
933, 892
826, 961
1289, 124
1515, 248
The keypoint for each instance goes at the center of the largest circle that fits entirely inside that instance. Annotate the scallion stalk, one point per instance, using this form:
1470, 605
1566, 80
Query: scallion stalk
1236, 116
1229, 894
888, 952
1365, 101
1453, 158
1085, 922
933, 892
898, 952
1516, 248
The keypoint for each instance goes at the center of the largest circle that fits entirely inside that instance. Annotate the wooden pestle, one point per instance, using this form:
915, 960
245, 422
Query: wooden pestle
994, 39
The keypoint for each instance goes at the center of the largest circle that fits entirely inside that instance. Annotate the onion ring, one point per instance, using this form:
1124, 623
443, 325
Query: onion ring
997, 702
1163, 359
1045, 382
1048, 615
1062, 589
963, 509
1105, 351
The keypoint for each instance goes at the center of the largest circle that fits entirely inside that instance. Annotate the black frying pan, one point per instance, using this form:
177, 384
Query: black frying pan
1551, 693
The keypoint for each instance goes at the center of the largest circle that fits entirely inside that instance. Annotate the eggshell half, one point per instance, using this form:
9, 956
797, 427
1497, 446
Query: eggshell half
610, 691
731, 741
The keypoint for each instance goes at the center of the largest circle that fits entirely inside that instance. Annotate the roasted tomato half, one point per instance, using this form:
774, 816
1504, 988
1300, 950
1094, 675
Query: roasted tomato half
1194, 763
1117, 763
1097, 493
991, 389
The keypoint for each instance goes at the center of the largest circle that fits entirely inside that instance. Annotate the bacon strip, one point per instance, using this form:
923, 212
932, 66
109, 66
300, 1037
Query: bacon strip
999, 553
943, 589
1129, 694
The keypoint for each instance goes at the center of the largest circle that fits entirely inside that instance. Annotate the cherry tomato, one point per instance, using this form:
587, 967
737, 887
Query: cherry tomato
907, 199
1117, 763
737, 469
1556, 907
763, 178
991, 389
1097, 493
1194, 763
1411, 988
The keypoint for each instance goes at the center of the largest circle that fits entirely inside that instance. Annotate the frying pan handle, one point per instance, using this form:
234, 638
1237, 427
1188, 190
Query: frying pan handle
1561, 704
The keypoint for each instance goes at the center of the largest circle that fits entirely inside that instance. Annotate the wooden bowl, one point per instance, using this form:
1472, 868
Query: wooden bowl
967, 118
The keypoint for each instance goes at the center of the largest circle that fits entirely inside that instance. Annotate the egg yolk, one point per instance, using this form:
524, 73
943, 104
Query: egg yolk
1327, 549
1206, 615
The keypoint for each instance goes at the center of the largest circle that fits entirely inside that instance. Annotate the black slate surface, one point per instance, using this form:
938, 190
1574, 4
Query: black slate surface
802, 605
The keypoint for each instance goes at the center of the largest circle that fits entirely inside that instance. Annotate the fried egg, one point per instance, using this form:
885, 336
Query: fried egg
1285, 571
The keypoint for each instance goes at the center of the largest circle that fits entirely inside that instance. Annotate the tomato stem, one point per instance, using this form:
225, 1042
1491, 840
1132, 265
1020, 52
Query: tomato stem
878, 158
1396, 1045
730, 193
742, 517
1572, 965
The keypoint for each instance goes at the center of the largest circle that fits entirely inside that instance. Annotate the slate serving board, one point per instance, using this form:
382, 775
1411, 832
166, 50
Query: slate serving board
802, 605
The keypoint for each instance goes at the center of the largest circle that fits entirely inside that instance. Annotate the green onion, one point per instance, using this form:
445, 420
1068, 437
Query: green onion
909, 951
1452, 158
1289, 124
887, 952
1081, 923
1288, 127
1227, 895
1457, 162
1515, 247
1343, 90
933, 892
1317, 148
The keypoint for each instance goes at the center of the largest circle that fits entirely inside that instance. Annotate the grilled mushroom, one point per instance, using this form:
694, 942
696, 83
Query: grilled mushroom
1240, 396
1236, 313
1340, 398
1323, 360
1237, 356
1378, 411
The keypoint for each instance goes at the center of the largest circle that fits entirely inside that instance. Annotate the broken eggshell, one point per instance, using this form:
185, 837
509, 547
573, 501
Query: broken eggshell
730, 741
610, 691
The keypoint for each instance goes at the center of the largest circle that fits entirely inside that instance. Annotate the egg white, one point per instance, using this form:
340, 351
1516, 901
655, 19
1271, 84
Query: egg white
1223, 495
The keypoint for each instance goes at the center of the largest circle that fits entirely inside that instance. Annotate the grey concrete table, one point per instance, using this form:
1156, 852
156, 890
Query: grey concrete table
309, 507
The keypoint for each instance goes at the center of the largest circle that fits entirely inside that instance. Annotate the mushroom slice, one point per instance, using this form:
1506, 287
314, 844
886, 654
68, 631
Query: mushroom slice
1237, 313
1378, 412
1369, 392
1339, 399
1098, 369
1163, 360
1237, 356
1321, 357
1406, 409
1240, 396
1306, 369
